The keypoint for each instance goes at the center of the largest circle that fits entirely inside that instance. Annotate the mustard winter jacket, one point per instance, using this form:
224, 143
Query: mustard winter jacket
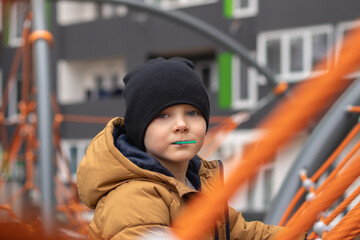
132, 193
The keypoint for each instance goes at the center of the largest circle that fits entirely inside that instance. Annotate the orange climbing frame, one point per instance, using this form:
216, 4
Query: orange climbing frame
25, 134
319, 172
288, 118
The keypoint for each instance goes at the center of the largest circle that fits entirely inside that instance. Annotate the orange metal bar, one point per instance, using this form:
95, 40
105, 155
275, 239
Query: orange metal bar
292, 205
41, 34
335, 172
329, 181
336, 153
319, 172
280, 88
347, 228
342, 206
86, 119
354, 109
323, 201
26, 132
7, 208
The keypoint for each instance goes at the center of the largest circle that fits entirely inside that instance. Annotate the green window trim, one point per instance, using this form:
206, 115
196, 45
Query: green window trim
228, 8
6, 22
225, 71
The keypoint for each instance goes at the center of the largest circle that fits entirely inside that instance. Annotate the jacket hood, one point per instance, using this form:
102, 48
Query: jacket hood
111, 159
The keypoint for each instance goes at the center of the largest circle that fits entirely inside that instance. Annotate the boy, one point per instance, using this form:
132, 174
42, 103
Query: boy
140, 171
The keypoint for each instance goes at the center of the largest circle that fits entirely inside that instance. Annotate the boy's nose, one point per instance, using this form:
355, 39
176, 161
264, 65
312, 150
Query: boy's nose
181, 125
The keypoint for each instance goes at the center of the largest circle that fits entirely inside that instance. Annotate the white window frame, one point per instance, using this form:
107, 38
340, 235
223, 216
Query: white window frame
69, 12
340, 30
213, 84
14, 40
285, 36
1, 16
109, 10
257, 189
12, 108
76, 77
172, 4
236, 143
263, 180
252, 90
81, 145
250, 11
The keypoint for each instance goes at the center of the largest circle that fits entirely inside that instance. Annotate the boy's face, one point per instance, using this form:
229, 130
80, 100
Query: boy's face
181, 122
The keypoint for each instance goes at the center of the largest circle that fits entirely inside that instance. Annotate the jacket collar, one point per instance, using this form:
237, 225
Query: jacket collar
145, 161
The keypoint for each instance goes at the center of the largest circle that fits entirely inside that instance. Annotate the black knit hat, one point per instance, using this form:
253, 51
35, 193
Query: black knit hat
157, 85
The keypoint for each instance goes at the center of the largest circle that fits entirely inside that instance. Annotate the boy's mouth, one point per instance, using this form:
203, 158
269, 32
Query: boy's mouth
184, 142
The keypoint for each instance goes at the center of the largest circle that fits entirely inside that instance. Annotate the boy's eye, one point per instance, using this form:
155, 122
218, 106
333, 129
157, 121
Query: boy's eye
162, 115
192, 113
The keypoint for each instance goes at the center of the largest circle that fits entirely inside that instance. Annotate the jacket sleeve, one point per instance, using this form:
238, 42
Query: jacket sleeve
240, 229
131, 210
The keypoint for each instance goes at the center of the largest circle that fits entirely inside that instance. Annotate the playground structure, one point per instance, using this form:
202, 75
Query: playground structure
285, 116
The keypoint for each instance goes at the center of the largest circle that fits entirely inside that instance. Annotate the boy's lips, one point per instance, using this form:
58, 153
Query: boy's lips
185, 142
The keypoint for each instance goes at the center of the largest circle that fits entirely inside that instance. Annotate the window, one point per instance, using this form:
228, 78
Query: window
251, 194
237, 83
109, 10
100, 89
256, 193
17, 15
69, 12
245, 8
240, 8
79, 81
319, 42
75, 151
105, 87
98, 92
296, 54
244, 87
207, 71
293, 53
260, 189
14, 97
75, 12
343, 29
171, 4
267, 185
117, 90
73, 159
273, 55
